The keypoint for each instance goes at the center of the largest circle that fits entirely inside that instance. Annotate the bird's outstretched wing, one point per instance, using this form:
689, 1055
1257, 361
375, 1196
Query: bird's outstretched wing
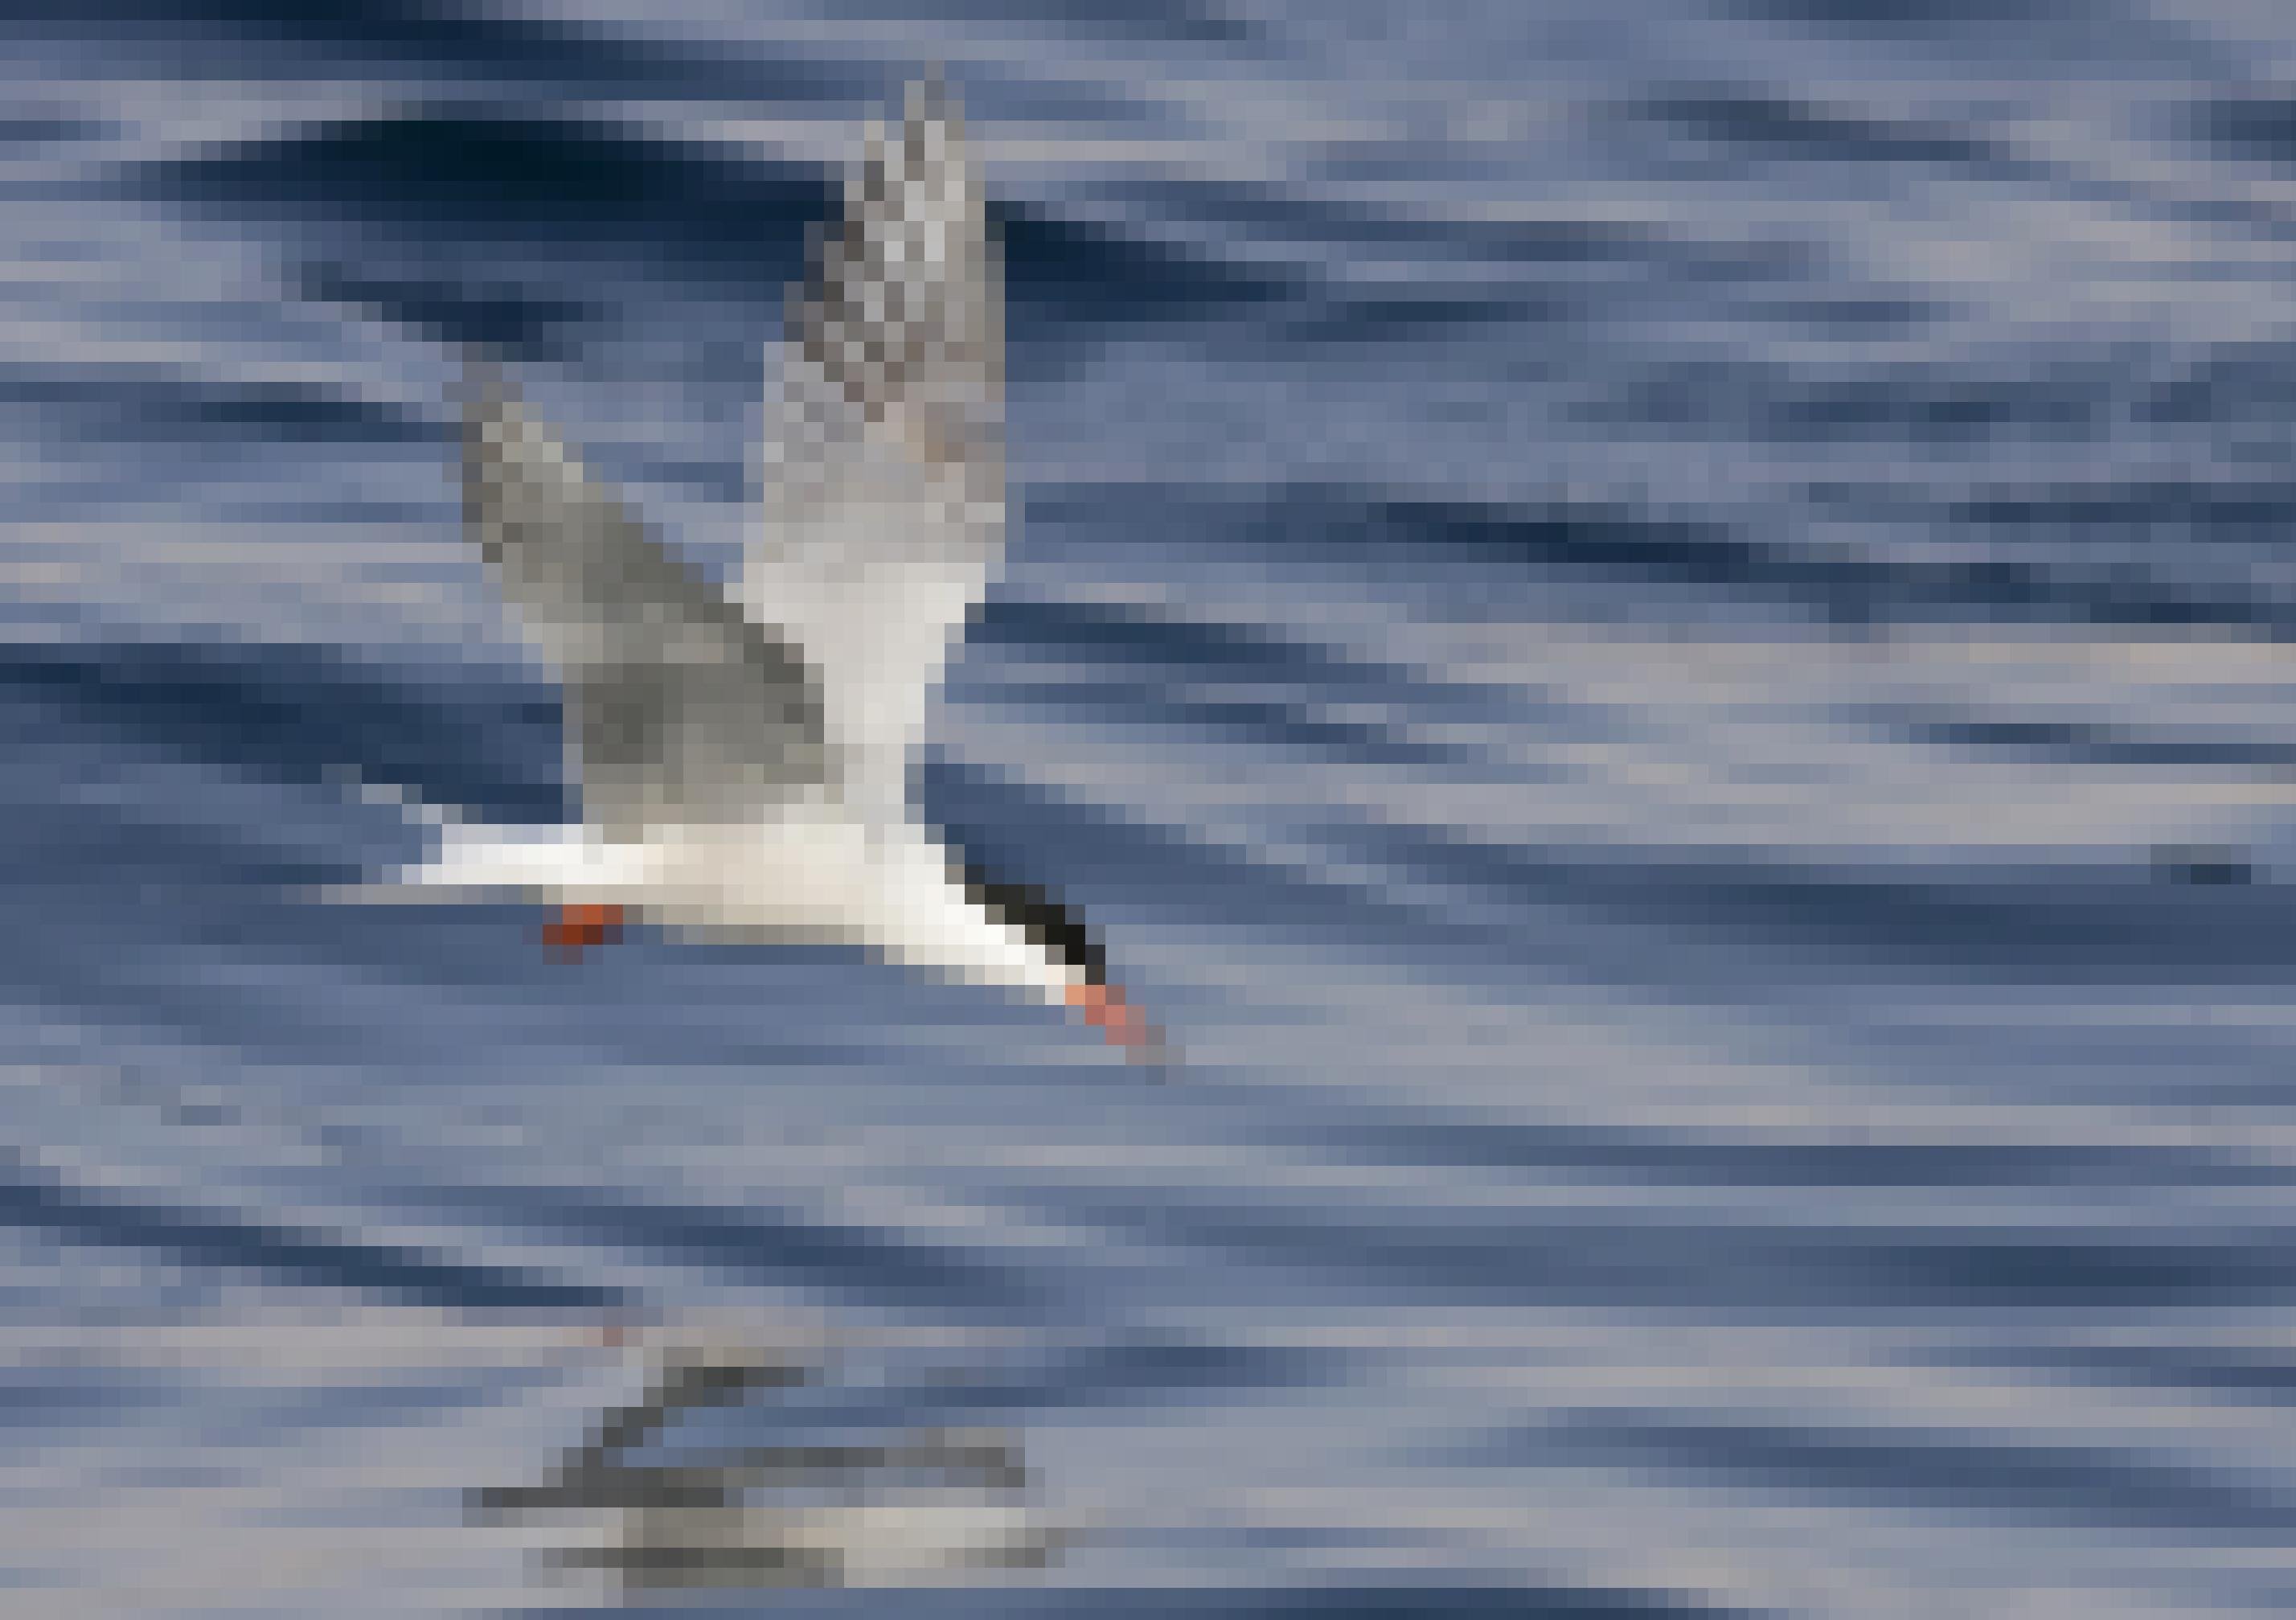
883, 508
679, 710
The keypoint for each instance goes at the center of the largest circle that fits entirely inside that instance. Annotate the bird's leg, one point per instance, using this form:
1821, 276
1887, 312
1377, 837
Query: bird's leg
577, 927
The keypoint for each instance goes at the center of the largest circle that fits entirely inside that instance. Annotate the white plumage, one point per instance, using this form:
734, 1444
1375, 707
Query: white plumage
744, 757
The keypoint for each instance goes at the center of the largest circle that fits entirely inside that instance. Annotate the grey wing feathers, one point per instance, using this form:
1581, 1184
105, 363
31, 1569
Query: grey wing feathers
883, 511
678, 708
901, 320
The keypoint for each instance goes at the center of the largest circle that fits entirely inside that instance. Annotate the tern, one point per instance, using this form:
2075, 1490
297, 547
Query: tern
743, 754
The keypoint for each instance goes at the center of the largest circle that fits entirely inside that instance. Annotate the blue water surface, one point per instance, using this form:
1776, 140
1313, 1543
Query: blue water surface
1653, 628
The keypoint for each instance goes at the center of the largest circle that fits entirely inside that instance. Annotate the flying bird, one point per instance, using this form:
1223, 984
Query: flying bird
743, 754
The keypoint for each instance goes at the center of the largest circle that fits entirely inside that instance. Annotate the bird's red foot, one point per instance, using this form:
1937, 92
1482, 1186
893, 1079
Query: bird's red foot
577, 928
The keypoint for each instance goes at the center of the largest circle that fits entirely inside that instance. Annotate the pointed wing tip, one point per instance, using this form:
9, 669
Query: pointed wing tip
929, 97
928, 103
483, 386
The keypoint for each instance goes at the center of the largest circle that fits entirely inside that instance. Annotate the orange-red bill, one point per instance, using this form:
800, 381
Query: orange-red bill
577, 927
1104, 1009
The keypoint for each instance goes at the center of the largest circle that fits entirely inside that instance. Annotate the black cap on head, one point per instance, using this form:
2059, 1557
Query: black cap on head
1043, 919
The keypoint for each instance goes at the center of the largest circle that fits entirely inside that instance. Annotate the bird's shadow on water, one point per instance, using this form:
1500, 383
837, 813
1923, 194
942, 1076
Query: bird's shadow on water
652, 1509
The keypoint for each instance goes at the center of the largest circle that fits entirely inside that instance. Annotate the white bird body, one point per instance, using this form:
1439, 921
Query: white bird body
744, 756
813, 875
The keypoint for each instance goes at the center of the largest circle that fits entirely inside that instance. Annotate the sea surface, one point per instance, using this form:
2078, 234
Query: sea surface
1657, 630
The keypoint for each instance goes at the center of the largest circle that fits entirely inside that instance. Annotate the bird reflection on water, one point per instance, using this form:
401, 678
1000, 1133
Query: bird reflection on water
810, 1512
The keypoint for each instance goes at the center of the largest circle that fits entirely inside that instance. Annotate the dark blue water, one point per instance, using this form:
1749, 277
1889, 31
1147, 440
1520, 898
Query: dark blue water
1657, 631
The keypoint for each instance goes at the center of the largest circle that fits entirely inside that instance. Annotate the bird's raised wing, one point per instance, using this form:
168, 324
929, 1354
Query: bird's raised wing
883, 508
678, 708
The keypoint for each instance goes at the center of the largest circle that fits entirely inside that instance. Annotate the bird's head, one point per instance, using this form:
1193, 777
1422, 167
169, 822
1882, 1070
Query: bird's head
1067, 962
